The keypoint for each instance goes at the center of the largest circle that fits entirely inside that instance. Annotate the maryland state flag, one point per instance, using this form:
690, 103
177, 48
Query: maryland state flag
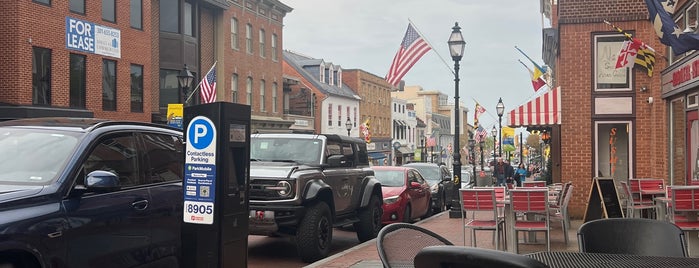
365, 130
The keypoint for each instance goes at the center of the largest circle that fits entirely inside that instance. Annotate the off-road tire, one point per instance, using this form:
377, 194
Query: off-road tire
407, 215
315, 233
369, 220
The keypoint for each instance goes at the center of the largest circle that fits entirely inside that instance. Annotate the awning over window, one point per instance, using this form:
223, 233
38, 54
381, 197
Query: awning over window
377, 155
404, 151
544, 110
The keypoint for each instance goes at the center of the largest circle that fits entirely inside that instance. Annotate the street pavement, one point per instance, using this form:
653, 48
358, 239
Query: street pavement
365, 255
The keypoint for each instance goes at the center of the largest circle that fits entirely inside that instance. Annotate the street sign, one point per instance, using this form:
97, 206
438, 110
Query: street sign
200, 171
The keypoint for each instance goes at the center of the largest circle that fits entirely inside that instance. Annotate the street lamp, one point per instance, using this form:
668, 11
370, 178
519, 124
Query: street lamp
348, 125
494, 132
471, 146
456, 49
500, 108
184, 79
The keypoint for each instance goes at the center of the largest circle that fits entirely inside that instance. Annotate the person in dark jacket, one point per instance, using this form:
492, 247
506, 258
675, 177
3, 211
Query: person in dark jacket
502, 171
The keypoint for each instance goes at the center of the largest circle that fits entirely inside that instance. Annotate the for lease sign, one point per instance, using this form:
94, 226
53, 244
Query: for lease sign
88, 37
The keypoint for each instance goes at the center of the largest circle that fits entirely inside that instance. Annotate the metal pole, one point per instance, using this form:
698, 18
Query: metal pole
500, 135
521, 148
455, 211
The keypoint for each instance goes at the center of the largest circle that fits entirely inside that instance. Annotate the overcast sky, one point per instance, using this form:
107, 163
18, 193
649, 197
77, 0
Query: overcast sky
366, 34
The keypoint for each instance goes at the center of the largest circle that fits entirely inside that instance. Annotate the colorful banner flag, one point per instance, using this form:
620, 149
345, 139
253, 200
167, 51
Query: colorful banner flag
478, 111
538, 71
412, 48
634, 52
536, 83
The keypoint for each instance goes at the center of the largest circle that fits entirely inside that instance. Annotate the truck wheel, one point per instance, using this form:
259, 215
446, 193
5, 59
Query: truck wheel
315, 233
369, 220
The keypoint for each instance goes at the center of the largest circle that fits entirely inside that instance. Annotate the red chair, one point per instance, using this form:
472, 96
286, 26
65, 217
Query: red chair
633, 200
534, 201
685, 199
533, 184
480, 200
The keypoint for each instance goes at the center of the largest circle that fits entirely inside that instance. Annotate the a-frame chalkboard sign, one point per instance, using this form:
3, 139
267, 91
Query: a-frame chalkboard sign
603, 201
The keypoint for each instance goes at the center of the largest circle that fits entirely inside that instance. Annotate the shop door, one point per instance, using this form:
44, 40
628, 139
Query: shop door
693, 148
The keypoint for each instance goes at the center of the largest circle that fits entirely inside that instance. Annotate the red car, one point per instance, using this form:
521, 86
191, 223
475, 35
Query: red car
406, 194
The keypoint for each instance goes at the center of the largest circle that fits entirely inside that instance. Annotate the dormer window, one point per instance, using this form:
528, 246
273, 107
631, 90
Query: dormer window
322, 72
338, 77
330, 76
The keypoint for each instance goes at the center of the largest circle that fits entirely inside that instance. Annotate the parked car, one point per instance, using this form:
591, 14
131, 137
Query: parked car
406, 194
441, 184
90, 193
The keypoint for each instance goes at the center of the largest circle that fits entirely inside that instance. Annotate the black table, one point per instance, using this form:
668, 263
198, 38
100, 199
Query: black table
593, 260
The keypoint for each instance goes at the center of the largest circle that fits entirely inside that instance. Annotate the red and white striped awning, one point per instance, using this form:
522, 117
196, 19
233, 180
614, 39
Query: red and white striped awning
544, 110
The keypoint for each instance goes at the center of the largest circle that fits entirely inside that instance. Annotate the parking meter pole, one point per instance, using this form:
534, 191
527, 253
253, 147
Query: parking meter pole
215, 186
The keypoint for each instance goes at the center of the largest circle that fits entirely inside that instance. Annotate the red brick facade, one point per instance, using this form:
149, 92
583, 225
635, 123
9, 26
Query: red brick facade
26, 24
578, 22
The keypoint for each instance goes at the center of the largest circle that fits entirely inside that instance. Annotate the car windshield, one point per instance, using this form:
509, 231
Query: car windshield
33, 156
303, 151
390, 178
430, 174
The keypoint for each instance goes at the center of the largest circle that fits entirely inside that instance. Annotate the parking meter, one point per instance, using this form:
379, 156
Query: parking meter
215, 186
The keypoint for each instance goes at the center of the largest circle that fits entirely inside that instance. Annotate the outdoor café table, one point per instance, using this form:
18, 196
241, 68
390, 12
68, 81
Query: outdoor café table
600, 260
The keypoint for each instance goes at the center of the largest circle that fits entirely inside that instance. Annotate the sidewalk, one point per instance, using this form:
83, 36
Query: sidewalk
365, 255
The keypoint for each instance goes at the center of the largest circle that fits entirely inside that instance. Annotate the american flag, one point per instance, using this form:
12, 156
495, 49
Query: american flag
208, 86
411, 50
480, 134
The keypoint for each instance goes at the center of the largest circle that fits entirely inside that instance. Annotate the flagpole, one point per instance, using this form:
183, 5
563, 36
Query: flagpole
198, 85
428, 42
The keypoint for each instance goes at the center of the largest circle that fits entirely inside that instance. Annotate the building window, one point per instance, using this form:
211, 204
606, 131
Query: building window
613, 142
108, 10
77, 6
77, 81
169, 88
234, 88
188, 19
45, 2
136, 14
339, 115
234, 34
322, 73
136, 88
248, 38
248, 87
606, 76
41, 76
109, 85
330, 114
170, 17
262, 43
275, 56
262, 95
274, 97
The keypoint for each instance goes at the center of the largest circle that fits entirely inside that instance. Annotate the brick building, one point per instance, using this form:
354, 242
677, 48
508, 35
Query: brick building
606, 126
121, 61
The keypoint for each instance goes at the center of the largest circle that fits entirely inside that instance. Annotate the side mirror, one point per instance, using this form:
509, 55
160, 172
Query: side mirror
415, 185
102, 181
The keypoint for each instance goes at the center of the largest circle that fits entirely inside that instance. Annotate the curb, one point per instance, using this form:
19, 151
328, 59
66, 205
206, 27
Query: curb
320, 263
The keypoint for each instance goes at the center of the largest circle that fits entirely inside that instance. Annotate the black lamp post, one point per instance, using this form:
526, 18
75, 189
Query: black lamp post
501, 110
481, 144
184, 79
423, 152
348, 125
456, 49
471, 146
494, 132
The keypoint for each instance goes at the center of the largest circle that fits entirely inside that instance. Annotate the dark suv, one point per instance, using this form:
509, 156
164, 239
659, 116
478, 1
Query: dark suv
303, 185
89, 193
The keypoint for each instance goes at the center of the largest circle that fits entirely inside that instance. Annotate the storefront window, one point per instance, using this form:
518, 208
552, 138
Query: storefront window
677, 140
613, 155
607, 76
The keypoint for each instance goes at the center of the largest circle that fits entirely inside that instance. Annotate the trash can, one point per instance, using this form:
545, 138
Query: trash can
483, 178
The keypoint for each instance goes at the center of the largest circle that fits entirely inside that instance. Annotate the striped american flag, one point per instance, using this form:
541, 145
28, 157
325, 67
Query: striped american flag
208, 86
481, 133
411, 50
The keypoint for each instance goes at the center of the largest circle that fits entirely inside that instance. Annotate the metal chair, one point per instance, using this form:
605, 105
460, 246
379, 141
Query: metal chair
685, 199
535, 202
451, 256
634, 236
481, 200
399, 243
633, 201
560, 212
533, 184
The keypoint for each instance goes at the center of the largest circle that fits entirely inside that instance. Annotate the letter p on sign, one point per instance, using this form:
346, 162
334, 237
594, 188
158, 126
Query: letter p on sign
199, 132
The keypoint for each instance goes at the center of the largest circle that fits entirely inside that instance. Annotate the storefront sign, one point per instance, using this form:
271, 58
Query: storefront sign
88, 37
681, 75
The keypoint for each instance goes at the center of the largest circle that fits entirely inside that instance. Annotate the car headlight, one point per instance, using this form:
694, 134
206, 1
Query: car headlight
283, 188
434, 188
391, 199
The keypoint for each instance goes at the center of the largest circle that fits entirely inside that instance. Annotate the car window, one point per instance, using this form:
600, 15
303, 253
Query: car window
118, 154
390, 178
411, 176
163, 156
418, 177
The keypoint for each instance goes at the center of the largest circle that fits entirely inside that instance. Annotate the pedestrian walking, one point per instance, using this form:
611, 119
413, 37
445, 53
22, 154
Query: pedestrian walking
520, 174
502, 171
